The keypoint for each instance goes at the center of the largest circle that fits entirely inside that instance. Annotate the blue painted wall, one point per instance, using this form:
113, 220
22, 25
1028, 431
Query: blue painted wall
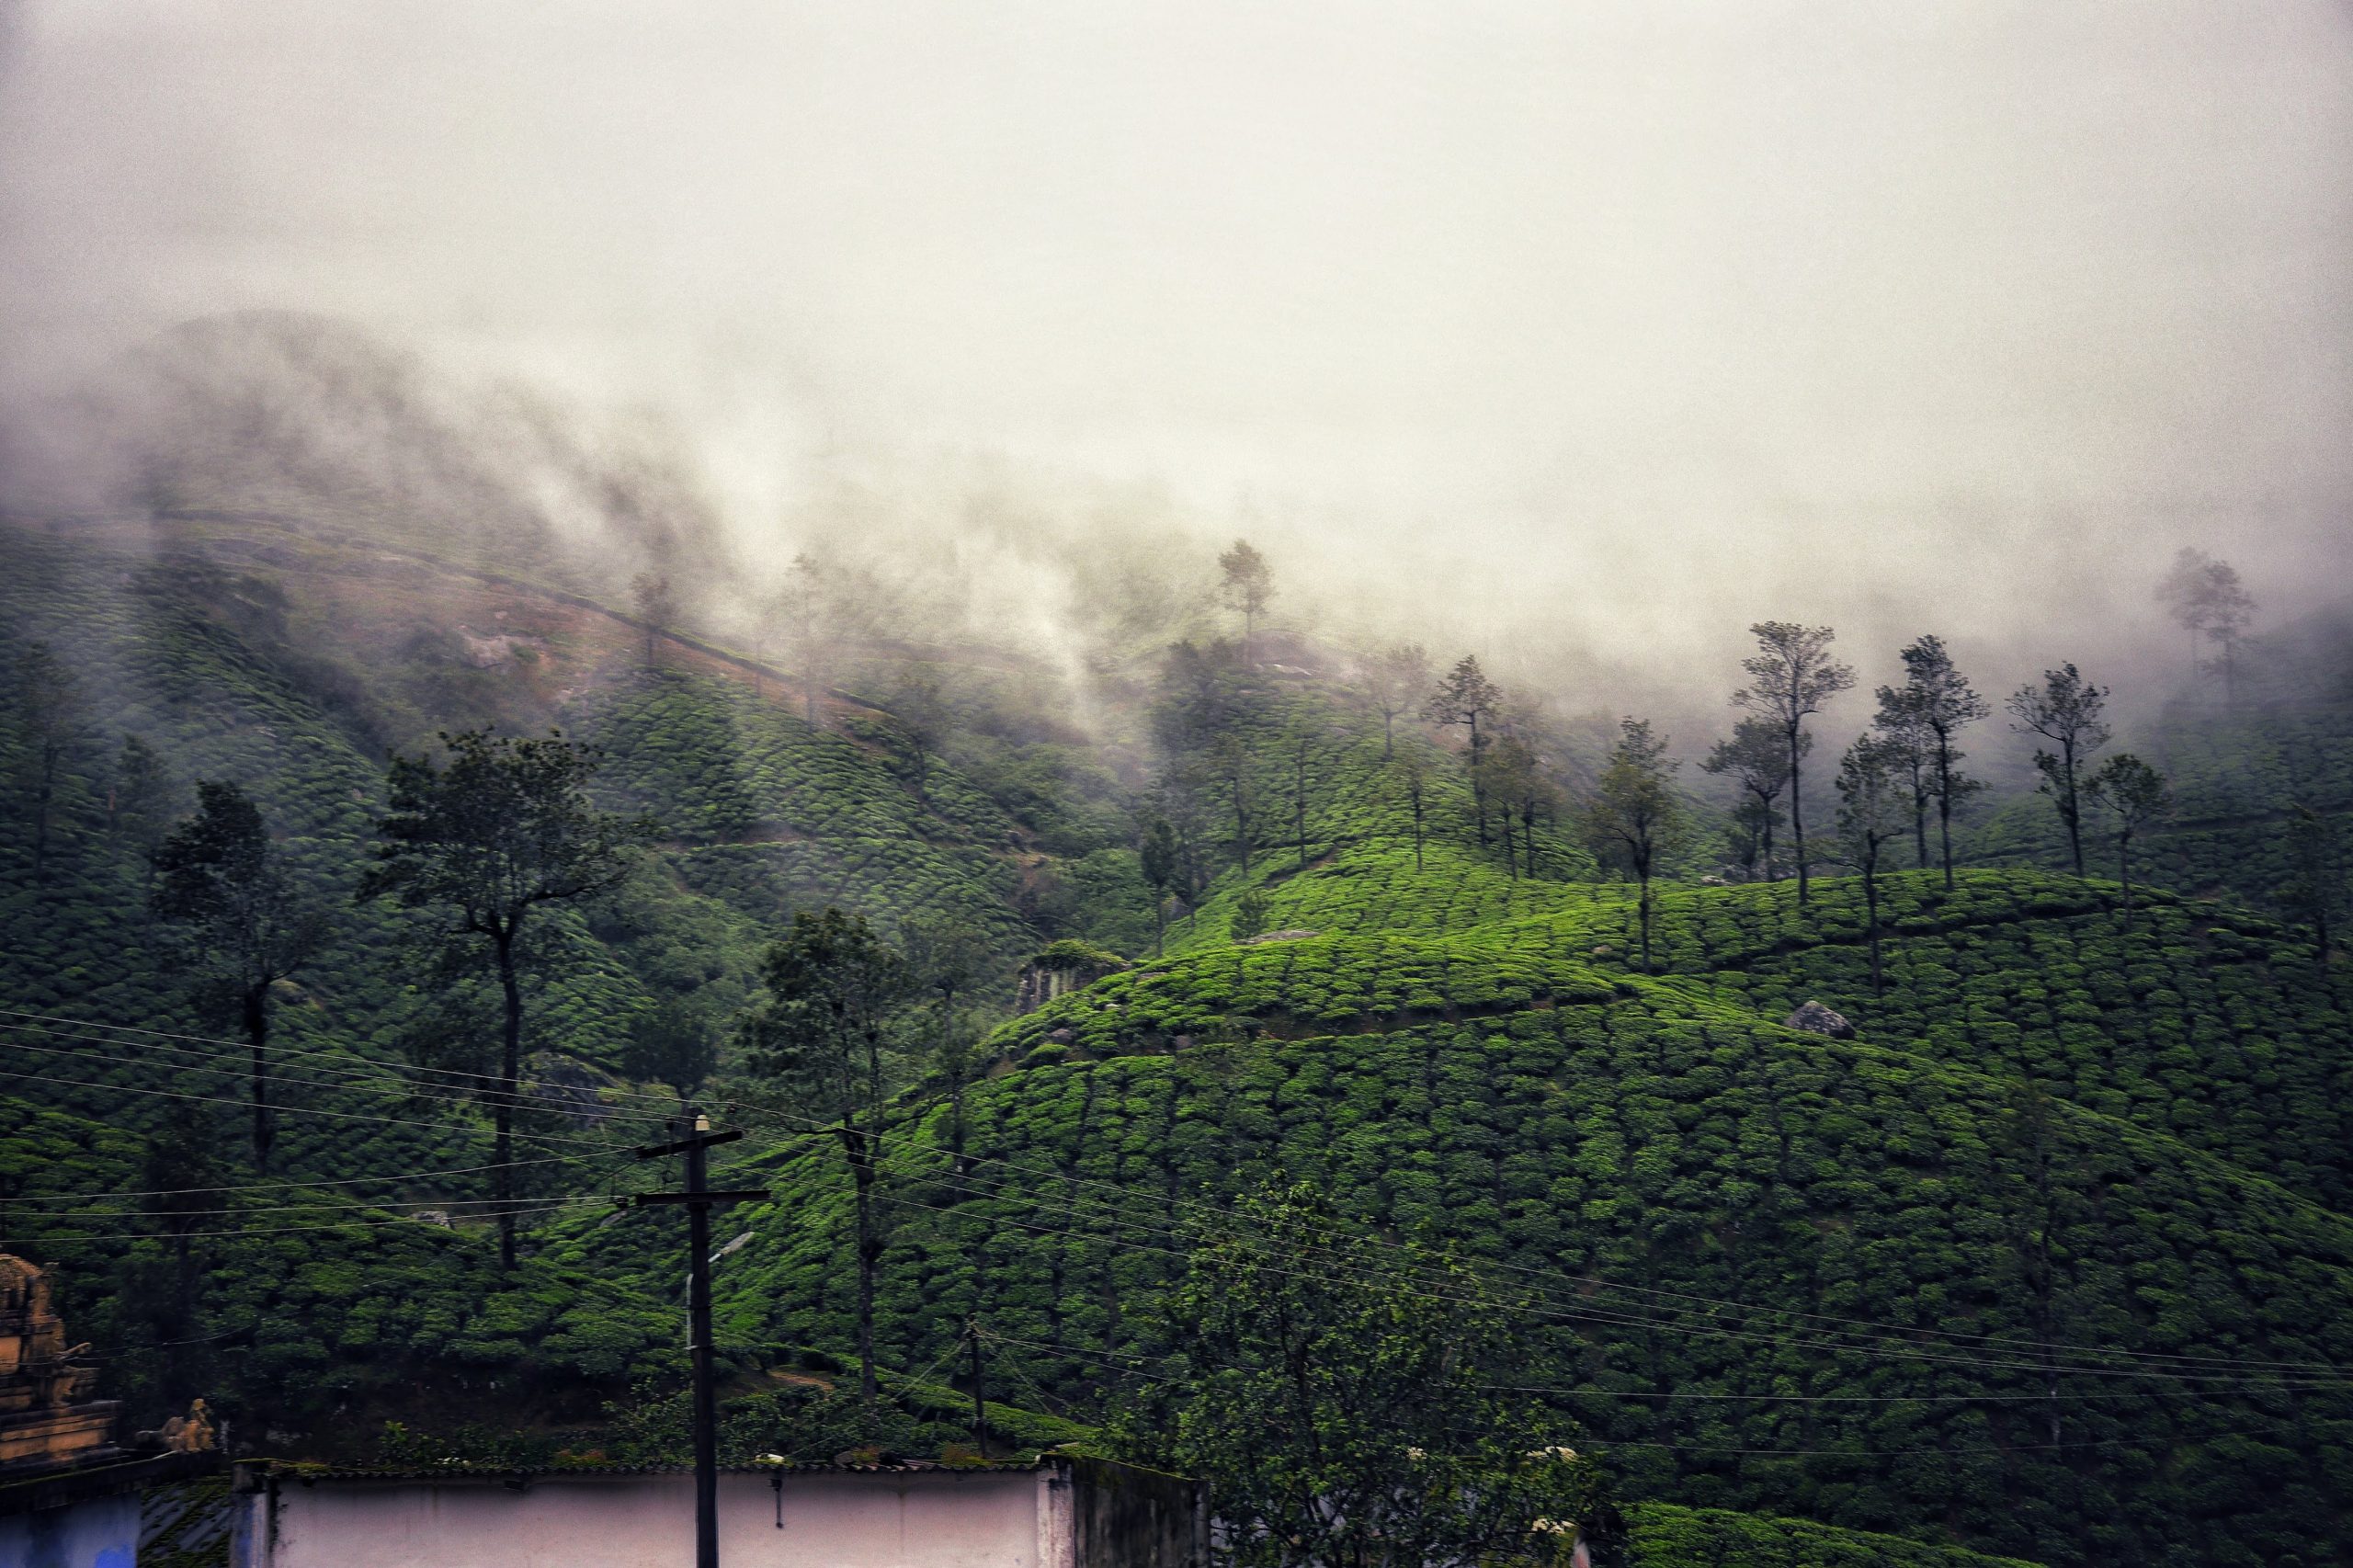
101, 1532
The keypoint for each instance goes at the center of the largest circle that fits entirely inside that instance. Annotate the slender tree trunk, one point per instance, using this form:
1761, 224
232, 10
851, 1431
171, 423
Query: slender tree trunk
255, 1006
1769, 837
1478, 781
1298, 801
1511, 856
1417, 829
510, 1076
1159, 920
1527, 834
861, 1170
1919, 820
1944, 805
2074, 812
1644, 903
1870, 917
1797, 814
2124, 872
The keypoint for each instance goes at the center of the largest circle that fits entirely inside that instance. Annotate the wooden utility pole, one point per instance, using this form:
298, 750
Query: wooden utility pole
697, 1198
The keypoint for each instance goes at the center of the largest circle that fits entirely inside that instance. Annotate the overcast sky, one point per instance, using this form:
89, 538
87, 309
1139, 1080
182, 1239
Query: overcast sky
1655, 315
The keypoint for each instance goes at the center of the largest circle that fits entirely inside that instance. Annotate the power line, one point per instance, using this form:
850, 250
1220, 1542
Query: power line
298, 1181
299, 1111
231, 1061
535, 1206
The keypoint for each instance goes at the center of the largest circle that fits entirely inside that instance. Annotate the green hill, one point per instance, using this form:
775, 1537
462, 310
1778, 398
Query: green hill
2050, 1260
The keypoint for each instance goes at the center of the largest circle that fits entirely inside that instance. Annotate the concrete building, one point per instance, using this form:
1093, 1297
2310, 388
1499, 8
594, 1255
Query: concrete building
1055, 1512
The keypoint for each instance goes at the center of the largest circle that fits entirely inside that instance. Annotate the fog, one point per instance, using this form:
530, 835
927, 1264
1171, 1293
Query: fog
1581, 335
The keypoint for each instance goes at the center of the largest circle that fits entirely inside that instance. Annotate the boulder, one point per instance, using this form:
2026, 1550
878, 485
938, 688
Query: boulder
1815, 1018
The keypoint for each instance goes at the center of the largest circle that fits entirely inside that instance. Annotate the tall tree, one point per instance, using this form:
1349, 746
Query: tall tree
1634, 816
1395, 681
2134, 795
919, 703
138, 801
672, 1042
832, 987
2208, 600
1911, 751
2065, 710
1790, 676
219, 877
2316, 872
1246, 586
1298, 752
1161, 858
1939, 703
947, 955
49, 706
1873, 807
657, 607
1516, 783
1230, 762
1757, 758
497, 828
810, 609
1407, 778
1348, 1404
1463, 699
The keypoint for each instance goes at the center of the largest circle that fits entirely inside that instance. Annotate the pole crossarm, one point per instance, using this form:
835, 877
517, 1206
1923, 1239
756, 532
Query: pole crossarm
686, 1145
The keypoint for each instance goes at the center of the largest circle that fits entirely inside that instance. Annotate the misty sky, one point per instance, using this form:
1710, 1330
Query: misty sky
1646, 318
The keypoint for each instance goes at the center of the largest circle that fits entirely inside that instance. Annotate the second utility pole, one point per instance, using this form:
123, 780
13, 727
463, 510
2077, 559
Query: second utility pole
697, 1198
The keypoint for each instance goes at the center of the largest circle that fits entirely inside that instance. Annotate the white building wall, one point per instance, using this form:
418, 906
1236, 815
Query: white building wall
831, 1521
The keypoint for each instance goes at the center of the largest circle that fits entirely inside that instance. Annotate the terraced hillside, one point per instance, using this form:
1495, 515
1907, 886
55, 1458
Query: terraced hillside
2038, 1262
2050, 1260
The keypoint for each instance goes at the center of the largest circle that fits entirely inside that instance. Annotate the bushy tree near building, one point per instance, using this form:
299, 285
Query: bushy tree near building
1345, 1402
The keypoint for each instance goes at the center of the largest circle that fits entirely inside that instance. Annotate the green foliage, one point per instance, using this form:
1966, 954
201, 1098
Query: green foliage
1352, 1416
1664, 1536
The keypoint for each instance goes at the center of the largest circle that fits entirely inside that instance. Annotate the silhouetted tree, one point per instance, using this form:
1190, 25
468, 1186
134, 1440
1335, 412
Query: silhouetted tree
1395, 682
1161, 856
1871, 810
831, 988
1247, 585
1757, 757
49, 706
498, 828
671, 1042
919, 704
1633, 817
810, 610
1408, 783
1790, 676
140, 796
219, 877
1515, 782
2134, 795
2208, 600
657, 607
2064, 710
2315, 885
1939, 703
1464, 698
1911, 754
947, 955
1229, 762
